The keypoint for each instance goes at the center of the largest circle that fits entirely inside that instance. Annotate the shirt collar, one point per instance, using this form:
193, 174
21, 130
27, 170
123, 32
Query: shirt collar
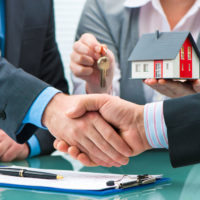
135, 3
140, 3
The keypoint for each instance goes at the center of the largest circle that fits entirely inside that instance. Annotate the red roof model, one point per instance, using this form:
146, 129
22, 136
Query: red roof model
166, 55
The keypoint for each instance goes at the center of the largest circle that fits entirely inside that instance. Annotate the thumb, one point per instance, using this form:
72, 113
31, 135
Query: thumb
85, 104
76, 111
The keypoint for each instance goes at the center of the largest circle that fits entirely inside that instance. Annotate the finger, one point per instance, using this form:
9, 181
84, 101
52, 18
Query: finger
55, 143
85, 160
99, 154
90, 40
79, 70
93, 158
117, 148
87, 103
84, 49
82, 59
10, 154
74, 151
62, 146
4, 146
162, 81
150, 81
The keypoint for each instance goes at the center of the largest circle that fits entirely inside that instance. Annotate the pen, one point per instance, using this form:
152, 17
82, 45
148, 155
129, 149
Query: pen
28, 173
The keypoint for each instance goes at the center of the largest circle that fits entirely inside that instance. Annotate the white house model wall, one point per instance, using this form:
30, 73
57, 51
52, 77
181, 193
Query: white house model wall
171, 68
138, 69
168, 55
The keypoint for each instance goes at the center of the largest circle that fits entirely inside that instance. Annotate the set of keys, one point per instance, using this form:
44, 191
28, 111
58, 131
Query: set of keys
103, 64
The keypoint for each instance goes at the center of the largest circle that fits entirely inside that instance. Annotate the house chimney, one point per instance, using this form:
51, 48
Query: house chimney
157, 34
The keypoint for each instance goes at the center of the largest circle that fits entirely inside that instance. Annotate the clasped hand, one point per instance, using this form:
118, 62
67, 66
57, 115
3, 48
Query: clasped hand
125, 116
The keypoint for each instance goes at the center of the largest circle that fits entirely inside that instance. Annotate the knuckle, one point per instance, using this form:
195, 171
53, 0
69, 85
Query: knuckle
82, 125
108, 135
76, 45
104, 146
85, 37
82, 59
75, 71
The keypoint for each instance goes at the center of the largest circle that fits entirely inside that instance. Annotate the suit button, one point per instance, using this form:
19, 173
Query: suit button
2, 115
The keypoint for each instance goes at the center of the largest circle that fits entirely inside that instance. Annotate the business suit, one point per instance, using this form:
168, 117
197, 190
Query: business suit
182, 118
30, 46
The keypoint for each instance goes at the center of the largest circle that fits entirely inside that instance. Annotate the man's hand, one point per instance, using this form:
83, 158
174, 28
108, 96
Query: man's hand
126, 116
10, 150
84, 58
89, 132
173, 88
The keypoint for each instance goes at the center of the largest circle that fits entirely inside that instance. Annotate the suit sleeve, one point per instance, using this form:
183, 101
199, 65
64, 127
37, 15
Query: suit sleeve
51, 72
18, 90
182, 117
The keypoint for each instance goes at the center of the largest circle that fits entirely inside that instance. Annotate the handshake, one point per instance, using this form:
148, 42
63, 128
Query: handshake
85, 127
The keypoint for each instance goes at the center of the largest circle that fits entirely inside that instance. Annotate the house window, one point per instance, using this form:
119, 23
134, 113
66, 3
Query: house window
167, 66
137, 68
189, 67
189, 53
182, 53
145, 67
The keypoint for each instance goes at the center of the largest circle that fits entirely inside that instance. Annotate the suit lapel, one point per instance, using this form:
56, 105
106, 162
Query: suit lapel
15, 12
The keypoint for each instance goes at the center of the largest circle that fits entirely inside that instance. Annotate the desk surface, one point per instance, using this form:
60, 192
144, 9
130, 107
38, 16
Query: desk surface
184, 184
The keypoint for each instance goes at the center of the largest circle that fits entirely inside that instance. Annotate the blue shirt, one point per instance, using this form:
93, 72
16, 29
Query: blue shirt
34, 114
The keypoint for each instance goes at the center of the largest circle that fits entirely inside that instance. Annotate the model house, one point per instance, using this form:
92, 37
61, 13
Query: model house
166, 55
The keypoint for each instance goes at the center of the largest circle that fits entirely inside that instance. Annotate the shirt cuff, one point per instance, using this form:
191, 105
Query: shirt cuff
35, 112
155, 127
34, 146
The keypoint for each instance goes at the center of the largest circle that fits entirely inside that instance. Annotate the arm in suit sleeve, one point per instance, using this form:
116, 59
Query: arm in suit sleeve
51, 72
18, 90
182, 117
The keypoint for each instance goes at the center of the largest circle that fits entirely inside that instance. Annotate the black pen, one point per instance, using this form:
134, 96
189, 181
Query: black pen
28, 173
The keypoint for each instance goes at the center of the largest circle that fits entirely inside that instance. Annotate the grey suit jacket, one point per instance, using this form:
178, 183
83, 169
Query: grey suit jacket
31, 63
117, 27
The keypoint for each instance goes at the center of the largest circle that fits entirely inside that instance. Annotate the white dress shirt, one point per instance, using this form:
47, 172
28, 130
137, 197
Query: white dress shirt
151, 18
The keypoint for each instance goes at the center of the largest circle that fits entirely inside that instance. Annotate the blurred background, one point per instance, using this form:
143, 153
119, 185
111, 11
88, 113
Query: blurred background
67, 14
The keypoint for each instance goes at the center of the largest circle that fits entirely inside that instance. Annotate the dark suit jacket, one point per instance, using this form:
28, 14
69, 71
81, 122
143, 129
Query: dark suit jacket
30, 46
182, 117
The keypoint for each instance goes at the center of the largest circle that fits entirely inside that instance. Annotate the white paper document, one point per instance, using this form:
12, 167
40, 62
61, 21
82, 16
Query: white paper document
72, 180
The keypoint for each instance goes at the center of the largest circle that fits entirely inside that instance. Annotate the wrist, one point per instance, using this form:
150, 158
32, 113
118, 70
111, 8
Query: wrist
140, 127
25, 152
52, 108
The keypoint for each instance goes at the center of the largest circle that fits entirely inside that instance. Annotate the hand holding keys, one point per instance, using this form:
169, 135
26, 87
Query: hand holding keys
103, 64
94, 63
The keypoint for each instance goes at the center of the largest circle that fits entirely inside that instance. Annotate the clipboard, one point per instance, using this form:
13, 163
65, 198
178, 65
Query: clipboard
86, 183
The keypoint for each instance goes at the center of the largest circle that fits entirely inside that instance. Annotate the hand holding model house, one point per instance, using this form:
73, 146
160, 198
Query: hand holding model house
161, 58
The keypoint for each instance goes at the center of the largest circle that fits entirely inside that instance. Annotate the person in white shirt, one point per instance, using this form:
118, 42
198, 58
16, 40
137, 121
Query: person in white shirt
111, 24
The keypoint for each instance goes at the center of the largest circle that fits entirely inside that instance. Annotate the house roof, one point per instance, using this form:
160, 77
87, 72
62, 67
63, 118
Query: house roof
161, 46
